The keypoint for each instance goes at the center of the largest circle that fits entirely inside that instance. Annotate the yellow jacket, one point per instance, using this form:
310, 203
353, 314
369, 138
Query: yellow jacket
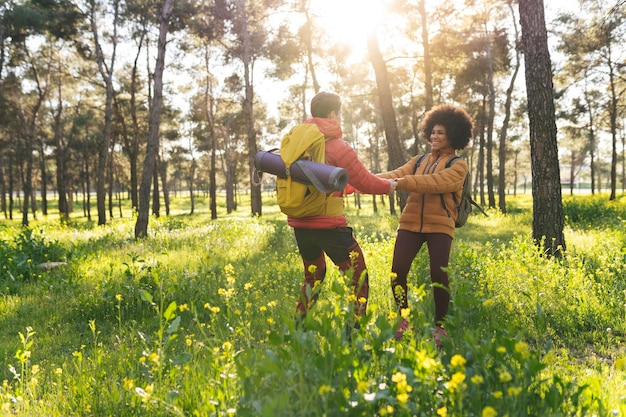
431, 207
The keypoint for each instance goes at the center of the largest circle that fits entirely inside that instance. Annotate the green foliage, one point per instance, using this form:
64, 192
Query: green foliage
198, 320
594, 211
23, 250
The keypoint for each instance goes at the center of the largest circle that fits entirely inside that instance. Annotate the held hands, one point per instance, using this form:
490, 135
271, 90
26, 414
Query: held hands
393, 185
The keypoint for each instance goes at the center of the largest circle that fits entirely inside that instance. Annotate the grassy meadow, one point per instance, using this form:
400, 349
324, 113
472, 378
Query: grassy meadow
197, 320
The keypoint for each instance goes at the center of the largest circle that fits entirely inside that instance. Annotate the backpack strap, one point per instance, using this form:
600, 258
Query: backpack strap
419, 162
452, 160
301, 163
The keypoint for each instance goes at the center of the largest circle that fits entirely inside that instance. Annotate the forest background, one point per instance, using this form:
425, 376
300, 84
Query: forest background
119, 97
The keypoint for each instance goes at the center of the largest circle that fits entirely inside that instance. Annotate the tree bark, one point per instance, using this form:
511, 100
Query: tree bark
248, 110
507, 117
209, 116
395, 150
141, 226
60, 155
547, 204
106, 72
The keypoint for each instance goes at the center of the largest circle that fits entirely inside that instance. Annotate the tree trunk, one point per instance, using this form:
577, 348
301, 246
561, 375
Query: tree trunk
613, 120
209, 116
162, 170
11, 187
308, 41
156, 195
490, 117
106, 72
44, 177
480, 164
547, 204
141, 226
592, 140
3, 188
395, 150
111, 184
248, 110
86, 177
507, 118
27, 177
133, 146
60, 155
192, 175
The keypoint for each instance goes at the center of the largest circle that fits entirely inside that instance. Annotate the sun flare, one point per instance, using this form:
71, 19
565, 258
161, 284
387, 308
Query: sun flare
348, 21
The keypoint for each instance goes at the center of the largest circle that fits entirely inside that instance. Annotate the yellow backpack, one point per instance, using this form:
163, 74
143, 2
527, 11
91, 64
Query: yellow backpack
296, 199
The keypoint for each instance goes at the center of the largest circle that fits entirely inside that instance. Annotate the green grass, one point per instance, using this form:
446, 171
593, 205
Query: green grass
197, 320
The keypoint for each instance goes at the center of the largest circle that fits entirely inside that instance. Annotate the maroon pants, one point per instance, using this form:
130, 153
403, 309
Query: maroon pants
341, 247
408, 244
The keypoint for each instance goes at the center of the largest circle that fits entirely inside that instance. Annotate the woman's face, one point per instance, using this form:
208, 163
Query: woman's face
439, 138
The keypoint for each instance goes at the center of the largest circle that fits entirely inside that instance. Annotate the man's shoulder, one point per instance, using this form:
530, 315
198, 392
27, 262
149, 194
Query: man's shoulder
337, 144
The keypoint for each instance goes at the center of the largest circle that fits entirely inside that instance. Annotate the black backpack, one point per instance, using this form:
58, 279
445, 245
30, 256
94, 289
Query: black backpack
464, 207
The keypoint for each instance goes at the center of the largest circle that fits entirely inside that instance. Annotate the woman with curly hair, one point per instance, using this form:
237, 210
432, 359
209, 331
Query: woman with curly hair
431, 209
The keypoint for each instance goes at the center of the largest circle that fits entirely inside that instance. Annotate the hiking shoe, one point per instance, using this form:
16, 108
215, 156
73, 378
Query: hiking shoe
403, 327
438, 334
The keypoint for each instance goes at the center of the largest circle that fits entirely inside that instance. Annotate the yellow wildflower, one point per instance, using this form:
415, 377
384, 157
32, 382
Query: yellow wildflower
362, 386
398, 377
128, 384
477, 379
522, 349
324, 389
514, 391
489, 411
404, 397
442, 412
458, 361
505, 376
456, 381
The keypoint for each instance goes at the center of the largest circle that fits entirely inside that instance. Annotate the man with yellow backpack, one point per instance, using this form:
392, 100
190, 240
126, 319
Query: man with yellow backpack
318, 218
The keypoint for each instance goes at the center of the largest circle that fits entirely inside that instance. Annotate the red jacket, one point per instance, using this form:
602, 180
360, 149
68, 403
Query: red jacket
340, 154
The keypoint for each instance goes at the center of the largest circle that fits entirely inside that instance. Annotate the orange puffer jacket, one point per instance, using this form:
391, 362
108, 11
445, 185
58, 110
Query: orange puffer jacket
431, 206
